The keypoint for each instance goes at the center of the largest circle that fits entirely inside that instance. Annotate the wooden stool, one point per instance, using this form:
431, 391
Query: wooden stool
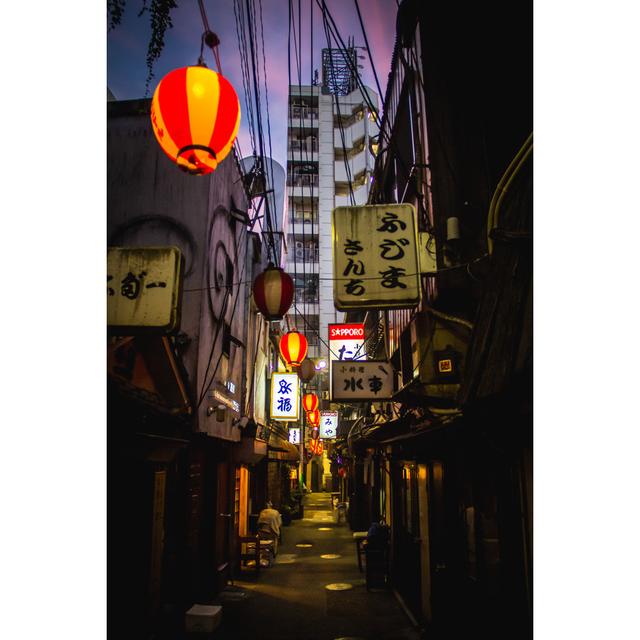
249, 551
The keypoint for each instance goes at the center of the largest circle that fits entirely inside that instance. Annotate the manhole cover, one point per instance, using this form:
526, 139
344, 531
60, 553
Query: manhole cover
331, 556
339, 586
324, 528
304, 545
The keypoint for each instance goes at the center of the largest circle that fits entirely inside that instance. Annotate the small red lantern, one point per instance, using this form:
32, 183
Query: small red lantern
313, 418
306, 370
195, 114
293, 347
319, 448
273, 293
310, 402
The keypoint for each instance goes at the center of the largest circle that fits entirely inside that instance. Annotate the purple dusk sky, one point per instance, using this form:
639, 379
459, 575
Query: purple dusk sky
127, 47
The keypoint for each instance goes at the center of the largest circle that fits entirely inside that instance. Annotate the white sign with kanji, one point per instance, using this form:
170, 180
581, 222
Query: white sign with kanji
375, 257
370, 380
294, 436
328, 424
285, 390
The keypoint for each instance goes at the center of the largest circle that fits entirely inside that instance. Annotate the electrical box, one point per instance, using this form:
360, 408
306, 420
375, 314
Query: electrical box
438, 350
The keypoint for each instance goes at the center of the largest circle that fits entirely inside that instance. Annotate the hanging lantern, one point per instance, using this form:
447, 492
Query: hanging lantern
195, 114
313, 418
293, 347
306, 370
273, 292
319, 448
310, 402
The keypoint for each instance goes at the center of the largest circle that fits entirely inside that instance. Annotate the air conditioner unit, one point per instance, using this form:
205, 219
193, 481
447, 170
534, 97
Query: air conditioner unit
437, 355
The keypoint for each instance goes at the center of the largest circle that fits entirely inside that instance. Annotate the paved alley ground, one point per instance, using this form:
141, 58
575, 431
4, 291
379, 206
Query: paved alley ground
288, 601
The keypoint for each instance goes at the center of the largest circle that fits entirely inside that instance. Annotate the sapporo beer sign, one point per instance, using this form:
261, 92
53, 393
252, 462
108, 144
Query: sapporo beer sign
346, 342
375, 257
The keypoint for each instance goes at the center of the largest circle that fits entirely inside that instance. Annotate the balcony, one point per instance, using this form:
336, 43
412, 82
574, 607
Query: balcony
301, 146
308, 254
357, 165
351, 133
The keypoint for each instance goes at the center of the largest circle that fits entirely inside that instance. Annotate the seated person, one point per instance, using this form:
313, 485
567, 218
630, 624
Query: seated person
269, 523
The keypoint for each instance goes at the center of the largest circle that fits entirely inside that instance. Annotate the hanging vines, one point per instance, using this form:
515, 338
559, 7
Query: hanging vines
160, 17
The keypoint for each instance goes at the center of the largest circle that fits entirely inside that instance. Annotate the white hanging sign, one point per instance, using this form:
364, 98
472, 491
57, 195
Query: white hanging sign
285, 391
328, 424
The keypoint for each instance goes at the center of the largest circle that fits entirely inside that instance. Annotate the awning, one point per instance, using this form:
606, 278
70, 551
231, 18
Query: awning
249, 450
145, 369
281, 449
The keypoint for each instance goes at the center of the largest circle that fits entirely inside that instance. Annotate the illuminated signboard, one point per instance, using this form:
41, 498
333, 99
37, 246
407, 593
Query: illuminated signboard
294, 436
375, 257
328, 424
285, 390
371, 380
346, 342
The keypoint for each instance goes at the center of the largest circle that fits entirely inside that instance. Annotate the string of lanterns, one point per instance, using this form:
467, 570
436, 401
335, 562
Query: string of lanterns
195, 117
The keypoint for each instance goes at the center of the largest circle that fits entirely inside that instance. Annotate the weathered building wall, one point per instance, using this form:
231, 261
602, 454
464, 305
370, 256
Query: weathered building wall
150, 203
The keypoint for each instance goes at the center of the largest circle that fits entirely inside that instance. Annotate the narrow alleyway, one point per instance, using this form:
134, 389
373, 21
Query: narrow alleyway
289, 600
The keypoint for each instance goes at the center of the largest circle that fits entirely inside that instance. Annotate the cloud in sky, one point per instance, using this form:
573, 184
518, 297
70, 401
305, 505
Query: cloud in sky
126, 50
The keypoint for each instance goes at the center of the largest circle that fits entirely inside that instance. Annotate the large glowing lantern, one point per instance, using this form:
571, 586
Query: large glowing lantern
293, 347
310, 402
195, 114
313, 418
273, 292
306, 370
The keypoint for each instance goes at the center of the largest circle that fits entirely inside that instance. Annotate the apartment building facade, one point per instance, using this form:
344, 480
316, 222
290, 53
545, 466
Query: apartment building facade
329, 163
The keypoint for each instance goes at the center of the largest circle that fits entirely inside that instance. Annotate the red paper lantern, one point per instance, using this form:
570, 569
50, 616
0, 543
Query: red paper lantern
293, 347
273, 292
310, 402
313, 418
195, 114
306, 370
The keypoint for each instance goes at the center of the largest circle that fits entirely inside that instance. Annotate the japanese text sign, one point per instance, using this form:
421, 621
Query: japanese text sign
370, 380
346, 342
285, 389
328, 424
143, 289
294, 436
375, 257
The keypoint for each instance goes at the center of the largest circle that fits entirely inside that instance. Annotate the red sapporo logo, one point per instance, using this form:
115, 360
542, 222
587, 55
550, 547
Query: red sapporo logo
342, 331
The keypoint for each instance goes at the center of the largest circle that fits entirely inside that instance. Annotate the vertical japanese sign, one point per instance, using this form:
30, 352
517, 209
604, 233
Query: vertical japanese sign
285, 391
346, 342
375, 257
294, 435
143, 289
328, 424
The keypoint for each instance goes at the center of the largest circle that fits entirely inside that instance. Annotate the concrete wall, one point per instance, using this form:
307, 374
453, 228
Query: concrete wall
151, 202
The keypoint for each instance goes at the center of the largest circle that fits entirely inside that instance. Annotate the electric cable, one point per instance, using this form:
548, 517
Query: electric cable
366, 42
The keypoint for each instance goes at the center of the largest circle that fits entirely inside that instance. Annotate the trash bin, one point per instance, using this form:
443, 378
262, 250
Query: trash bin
376, 553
